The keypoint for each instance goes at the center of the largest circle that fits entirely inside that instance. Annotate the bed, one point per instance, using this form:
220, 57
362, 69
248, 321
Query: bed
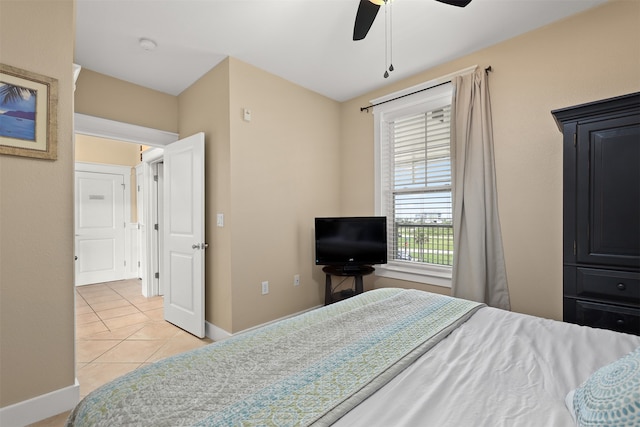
388, 357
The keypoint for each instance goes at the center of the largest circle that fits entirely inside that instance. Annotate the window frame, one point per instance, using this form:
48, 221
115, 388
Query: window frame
428, 96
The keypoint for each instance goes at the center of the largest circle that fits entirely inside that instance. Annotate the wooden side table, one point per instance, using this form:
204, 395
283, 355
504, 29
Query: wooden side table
355, 272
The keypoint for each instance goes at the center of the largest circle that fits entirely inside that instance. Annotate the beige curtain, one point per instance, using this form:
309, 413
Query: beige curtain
478, 267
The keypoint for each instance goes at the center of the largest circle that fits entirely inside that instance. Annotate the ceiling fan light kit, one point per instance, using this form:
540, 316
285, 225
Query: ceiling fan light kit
366, 14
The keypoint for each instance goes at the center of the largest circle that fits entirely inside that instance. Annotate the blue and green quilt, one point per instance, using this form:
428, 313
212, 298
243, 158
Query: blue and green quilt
307, 370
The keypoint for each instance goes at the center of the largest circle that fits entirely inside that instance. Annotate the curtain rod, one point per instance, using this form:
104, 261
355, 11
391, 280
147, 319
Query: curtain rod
486, 70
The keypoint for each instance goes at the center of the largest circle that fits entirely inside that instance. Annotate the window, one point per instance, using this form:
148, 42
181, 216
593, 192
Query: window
414, 184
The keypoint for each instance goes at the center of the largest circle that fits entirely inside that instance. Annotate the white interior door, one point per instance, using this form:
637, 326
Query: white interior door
99, 227
182, 230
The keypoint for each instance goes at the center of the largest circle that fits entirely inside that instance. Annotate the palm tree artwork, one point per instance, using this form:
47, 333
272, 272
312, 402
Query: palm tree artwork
17, 112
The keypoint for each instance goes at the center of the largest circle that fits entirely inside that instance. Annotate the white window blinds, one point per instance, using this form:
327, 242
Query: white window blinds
415, 183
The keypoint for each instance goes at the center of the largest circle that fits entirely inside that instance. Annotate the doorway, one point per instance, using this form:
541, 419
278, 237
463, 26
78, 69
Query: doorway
172, 227
126, 142
150, 176
106, 221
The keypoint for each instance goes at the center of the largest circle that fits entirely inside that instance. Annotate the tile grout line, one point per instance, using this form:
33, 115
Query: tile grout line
105, 325
94, 312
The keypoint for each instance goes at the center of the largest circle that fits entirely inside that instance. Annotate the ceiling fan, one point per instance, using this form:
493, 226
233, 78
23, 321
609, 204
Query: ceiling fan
368, 9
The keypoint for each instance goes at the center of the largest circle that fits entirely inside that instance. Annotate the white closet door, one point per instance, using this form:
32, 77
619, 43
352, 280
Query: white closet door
99, 227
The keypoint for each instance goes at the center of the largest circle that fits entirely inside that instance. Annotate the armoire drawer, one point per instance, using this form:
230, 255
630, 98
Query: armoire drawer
605, 316
612, 285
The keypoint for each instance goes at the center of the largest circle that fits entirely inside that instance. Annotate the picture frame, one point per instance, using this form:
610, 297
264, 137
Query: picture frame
28, 113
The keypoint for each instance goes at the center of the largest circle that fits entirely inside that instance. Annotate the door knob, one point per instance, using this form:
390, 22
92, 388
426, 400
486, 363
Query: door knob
195, 246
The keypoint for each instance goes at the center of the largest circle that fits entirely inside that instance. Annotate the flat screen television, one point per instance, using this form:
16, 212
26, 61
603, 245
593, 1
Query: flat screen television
351, 242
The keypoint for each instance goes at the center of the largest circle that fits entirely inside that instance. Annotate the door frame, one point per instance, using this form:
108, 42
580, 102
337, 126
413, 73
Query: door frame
105, 128
126, 132
151, 238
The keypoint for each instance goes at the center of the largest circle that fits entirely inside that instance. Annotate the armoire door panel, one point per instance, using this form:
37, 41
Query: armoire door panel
608, 192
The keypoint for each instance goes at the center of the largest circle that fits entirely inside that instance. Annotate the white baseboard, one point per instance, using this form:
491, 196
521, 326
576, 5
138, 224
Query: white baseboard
41, 407
218, 334
215, 333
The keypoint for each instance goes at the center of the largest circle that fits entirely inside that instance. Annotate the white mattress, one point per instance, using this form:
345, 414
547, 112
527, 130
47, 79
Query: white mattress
498, 369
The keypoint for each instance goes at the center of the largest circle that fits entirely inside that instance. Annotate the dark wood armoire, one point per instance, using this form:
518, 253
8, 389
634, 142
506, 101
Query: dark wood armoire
601, 213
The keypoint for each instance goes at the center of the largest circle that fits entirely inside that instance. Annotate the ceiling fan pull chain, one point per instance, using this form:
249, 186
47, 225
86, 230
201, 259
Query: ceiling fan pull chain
390, 36
386, 38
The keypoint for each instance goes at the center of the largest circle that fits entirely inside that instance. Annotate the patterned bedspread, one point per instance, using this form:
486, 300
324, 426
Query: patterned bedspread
309, 369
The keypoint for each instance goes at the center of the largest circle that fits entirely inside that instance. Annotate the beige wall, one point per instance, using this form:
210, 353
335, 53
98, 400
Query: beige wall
591, 56
36, 217
283, 174
268, 177
110, 98
204, 107
92, 149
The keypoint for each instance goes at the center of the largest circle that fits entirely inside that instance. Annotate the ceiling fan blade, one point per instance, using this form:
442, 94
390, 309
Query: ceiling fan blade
365, 16
459, 3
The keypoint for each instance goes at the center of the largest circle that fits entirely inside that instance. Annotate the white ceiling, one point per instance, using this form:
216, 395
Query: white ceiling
308, 42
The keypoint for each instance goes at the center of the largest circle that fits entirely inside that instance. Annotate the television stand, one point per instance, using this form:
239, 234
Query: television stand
337, 270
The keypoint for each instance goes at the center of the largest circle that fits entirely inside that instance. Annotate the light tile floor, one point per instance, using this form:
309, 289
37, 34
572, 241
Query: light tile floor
117, 331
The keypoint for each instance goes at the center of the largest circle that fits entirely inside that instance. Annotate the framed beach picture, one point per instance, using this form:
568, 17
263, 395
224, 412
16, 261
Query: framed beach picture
28, 113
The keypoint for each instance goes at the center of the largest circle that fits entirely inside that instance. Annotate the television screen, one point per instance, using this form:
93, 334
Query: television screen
351, 241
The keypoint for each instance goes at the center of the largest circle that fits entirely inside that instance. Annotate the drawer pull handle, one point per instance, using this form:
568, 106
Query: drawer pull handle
621, 286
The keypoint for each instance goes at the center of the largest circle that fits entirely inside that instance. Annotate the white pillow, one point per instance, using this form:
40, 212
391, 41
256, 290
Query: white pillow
609, 397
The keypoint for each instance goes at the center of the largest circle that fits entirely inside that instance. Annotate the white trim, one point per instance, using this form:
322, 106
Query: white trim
131, 250
218, 334
432, 275
40, 407
104, 128
76, 73
152, 155
103, 168
150, 285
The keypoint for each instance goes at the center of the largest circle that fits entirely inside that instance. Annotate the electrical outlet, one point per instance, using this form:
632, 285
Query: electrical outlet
265, 288
296, 280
